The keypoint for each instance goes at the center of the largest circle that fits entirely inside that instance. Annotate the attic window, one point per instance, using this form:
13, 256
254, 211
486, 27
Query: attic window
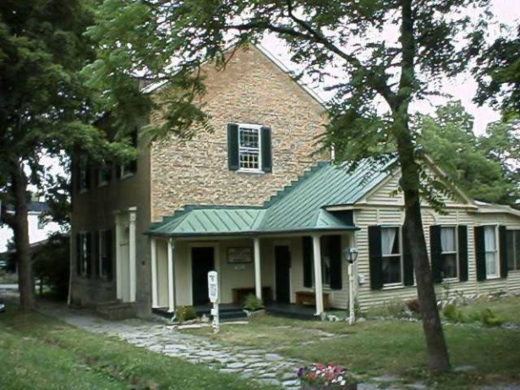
249, 148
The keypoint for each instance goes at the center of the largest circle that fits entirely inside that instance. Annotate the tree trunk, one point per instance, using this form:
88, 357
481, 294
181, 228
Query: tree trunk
21, 236
439, 360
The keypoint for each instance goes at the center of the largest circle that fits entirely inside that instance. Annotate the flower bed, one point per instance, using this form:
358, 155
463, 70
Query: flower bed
322, 377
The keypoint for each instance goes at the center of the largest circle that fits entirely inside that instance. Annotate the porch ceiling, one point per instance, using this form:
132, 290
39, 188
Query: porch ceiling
299, 207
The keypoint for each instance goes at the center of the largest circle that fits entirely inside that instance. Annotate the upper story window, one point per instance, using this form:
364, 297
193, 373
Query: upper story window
513, 250
83, 174
130, 168
449, 252
491, 248
104, 174
391, 254
249, 148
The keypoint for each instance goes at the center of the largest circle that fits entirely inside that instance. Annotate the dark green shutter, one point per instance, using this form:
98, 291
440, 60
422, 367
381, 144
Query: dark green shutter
407, 263
502, 238
267, 150
336, 282
88, 182
308, 257
436, 253
79, 263
89, 254
232, 146
376, 260
480, 253
462, 232
107, 264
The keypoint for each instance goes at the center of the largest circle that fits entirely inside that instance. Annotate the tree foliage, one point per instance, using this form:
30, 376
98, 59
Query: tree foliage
481, 165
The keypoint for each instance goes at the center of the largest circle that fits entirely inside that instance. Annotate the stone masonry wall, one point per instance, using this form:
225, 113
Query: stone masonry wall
251, 90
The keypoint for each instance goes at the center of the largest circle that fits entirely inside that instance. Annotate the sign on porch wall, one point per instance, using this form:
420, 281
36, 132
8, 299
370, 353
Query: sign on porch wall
240, 255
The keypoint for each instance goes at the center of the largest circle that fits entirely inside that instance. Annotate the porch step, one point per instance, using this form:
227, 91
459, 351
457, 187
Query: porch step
295, 312
226, 314
116, 310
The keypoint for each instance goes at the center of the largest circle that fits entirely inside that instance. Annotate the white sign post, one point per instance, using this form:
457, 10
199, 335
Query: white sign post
214, 298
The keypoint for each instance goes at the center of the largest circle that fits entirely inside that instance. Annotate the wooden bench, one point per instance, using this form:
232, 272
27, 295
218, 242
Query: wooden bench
308, 298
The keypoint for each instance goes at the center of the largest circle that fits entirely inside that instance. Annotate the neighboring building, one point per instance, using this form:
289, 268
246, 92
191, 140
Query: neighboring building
248, 201
39, 230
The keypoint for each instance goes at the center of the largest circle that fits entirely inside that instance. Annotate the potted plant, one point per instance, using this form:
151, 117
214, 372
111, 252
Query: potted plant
322, 377
252, 304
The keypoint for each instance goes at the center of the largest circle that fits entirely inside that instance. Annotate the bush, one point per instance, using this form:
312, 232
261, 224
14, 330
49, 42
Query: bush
393, 309
52, 264
488, 318
253, 303
185, 313
453, 314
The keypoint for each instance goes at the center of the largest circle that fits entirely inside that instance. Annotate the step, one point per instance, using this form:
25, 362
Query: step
116, 311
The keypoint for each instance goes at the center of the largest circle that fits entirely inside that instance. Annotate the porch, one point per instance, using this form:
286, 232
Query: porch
279, 270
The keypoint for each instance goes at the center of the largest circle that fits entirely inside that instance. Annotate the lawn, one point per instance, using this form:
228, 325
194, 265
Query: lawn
389, 347
38, 352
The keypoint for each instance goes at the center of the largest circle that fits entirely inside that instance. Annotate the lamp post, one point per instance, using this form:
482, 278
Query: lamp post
351, 255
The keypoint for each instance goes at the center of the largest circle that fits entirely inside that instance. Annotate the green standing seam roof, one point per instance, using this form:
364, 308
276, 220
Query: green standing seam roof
298, 207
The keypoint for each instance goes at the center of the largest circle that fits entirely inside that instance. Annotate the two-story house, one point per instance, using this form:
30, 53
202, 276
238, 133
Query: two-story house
253, 202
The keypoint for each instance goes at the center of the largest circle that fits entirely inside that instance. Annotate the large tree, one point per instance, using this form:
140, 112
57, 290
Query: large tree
382, 55
44, 107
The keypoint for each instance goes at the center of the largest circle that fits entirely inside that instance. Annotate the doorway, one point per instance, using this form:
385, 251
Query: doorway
202, 261
282, 258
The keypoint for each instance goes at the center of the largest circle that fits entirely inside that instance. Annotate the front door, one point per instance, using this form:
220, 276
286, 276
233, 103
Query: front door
282, 257
202, 261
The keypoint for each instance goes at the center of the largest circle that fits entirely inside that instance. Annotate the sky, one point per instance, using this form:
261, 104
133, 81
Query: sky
462, 88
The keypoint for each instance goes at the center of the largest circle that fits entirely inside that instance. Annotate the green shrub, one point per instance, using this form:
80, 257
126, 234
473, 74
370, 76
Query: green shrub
453, 314
488, 318
394, 309
253, 303
185, 313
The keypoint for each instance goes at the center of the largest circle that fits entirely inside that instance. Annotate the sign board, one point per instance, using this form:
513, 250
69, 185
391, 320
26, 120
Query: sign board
240, 255
213, 286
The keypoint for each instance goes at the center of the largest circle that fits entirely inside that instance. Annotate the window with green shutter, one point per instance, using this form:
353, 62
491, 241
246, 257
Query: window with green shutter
249, 148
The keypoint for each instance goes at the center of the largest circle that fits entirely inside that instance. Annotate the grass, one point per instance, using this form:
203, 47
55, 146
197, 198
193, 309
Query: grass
507, 309
38, 352
388, 347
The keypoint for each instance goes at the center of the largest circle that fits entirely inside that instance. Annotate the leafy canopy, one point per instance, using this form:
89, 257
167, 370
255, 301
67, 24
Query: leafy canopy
478, 165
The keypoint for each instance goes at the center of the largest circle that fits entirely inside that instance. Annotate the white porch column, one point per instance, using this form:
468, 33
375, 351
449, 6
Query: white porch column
258, 271
119, 271
171, 277
318, 281
132, 255
153, 248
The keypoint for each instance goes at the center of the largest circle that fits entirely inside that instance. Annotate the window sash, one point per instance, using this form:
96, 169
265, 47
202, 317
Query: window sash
449, 241
83, 254
491, 251
391, 253
513, 250
249, 157
102, 252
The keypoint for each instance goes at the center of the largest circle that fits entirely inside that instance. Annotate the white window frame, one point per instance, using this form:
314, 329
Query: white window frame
101, 240
258, 128
456, 253
83, 252
400, 255
125, 173
496, 251
516, 261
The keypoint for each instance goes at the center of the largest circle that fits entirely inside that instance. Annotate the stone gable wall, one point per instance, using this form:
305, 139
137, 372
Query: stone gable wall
250, 90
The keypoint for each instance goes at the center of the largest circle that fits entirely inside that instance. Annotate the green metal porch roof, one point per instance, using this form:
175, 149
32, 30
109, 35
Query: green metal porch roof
298, 207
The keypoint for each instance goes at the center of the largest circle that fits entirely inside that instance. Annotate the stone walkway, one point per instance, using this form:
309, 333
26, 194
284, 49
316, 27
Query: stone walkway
262, 366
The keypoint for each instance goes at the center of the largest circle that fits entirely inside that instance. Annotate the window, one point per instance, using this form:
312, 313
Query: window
391, 255
104, 254
104, 174
249, 147
83, 174
513, 250
449, 252
83, 254
130, 168
491, 248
